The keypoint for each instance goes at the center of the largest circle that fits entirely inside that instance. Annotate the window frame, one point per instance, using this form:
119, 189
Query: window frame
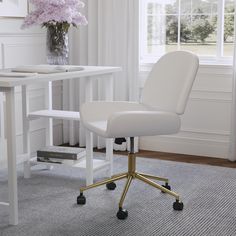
219, 58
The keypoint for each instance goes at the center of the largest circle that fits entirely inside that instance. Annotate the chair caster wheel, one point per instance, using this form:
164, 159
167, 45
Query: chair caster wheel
111, 186
178, 206
167, 186
81, 200
122, 214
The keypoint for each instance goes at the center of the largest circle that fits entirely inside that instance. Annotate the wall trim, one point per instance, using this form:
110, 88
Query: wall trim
189, 146
30, 35
205, 131
221, 100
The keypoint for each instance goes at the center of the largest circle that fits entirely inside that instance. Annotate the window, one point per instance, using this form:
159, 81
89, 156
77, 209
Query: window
205, 27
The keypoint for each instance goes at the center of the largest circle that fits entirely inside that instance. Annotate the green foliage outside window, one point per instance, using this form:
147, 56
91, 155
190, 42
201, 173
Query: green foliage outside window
198, 29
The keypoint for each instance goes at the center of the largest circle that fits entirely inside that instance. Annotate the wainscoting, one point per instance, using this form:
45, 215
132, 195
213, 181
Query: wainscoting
206, 122
19, 48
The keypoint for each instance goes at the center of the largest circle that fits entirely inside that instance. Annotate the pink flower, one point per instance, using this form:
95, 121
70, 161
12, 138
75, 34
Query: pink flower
55, 11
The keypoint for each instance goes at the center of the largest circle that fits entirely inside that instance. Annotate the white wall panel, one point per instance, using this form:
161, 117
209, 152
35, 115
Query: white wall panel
206, 114
32, 53
19, 47
214, 78
1, 56
205, 126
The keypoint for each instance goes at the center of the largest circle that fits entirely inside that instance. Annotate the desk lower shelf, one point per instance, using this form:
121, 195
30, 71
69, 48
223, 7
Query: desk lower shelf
97, 163
56, 114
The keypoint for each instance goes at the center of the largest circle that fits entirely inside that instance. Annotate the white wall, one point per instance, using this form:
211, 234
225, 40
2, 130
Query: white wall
206, 123
18, 47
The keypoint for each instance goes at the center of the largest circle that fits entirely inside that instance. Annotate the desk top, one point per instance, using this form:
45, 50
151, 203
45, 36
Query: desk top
40, 78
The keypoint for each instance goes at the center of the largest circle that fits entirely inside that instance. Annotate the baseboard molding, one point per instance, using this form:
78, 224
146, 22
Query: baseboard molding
189, 146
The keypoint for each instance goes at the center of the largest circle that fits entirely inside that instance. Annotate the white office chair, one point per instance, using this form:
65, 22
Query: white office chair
164, 99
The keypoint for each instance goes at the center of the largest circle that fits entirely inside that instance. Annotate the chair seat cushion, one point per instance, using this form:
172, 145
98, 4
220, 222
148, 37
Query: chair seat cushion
142, 123
121, 122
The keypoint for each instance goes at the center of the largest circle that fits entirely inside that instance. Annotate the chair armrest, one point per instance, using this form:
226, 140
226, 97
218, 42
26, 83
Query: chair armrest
101, 110
142, 123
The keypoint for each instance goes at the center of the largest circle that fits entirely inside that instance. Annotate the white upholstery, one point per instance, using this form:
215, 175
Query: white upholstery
164, 98
170, 82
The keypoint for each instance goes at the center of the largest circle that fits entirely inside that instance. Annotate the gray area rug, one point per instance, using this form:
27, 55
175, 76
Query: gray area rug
47, 203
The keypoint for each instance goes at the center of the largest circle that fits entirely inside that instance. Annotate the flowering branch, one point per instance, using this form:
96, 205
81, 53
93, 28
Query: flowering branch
52, 12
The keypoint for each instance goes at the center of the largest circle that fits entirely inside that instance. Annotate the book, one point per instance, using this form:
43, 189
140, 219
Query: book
58, 161
46, 69
55, 153
48, 160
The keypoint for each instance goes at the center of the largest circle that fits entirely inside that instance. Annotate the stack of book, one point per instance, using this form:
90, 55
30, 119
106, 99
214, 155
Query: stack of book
60, 155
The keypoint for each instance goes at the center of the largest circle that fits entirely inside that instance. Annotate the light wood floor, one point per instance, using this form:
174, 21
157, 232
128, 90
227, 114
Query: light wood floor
181, 158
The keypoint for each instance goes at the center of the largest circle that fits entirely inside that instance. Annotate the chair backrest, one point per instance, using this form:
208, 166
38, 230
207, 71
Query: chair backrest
170, 81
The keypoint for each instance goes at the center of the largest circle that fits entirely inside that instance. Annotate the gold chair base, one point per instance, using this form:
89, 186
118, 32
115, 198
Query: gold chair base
130, 175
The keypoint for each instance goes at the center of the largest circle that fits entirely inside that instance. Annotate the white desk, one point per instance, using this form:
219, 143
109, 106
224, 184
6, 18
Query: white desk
8, 84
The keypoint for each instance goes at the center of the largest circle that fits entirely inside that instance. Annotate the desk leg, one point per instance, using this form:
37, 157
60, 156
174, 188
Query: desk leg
26, 131
109, 142
89, 135
49, 124
82, 131
72, 140
89, 158
109, 155
48, 105
11, 152
2, 128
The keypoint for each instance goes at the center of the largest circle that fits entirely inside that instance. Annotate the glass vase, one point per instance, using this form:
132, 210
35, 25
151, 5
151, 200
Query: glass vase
57, 45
